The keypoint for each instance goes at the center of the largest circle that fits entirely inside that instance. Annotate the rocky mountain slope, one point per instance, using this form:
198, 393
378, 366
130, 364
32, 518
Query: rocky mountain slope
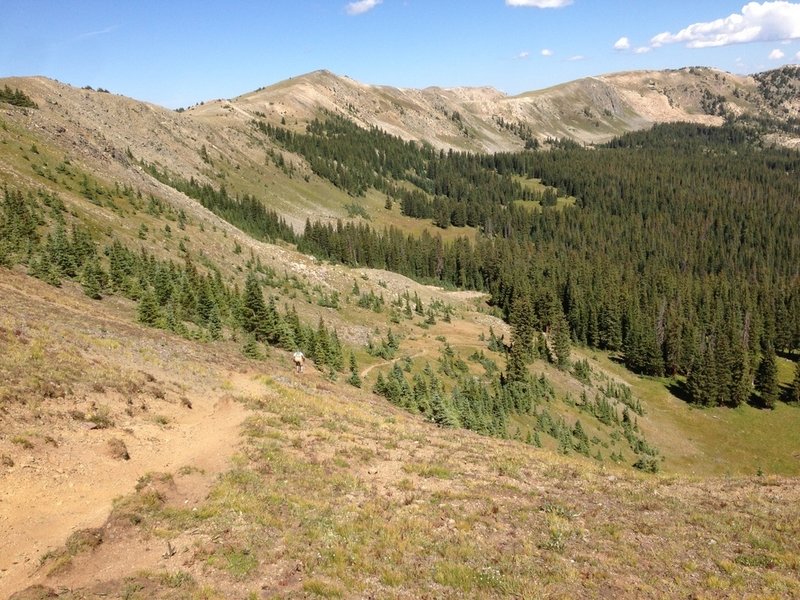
588, 110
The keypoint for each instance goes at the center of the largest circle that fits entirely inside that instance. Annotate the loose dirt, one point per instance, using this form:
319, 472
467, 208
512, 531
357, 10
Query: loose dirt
68, 478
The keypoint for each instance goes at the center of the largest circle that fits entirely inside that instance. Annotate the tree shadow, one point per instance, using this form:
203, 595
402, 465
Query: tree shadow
785, 394
617, 358
680, 391
756, 402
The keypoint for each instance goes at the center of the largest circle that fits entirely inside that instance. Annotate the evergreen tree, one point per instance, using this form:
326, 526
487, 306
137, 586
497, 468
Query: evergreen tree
251, 348
794, 390
581, 444
354, 379
702, 383
254, 318
766, 381
523, 327
214, 323
440, 413
336, 353
43, 268
60, 252
559, 332
93, 279
149, 311
741, 378
609, 327
516, 369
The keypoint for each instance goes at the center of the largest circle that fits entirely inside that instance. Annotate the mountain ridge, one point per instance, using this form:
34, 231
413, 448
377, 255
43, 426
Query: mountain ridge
588, 110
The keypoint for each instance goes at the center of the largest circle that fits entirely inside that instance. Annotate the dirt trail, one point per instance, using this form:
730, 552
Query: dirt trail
72, 487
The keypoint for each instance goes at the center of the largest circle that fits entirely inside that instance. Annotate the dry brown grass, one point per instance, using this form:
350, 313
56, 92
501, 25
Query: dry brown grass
339, 495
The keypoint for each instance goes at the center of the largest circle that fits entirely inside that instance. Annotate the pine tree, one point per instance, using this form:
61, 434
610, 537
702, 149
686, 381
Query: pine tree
60, 253
702, 383
42, 268
516, 368
251, 348
741, 378
766, 381
354, 379
286, 336
794, 390
609, 324
523, 327
561, 340
163, 285
336, 352
93, 279
581, 439
321, 344
149, 312
272, 322
407, 310
564, 441
380, 385
254, 309
214, 323
440, 413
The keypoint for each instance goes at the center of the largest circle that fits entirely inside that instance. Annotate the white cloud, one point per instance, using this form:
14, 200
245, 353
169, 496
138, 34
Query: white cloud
523, 55
642, 50
776, 54
547, 52
576, 58
361, 6
91, 34
797, 56
758, 22
539, 3
622, 43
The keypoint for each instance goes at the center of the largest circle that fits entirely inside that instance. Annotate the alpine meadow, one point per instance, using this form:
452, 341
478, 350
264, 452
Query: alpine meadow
551, 340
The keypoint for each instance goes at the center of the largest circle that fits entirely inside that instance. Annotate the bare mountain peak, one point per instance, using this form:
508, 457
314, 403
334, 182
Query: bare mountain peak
591, 109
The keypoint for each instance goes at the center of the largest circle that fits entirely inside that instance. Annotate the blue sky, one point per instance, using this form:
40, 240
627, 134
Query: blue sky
180, 52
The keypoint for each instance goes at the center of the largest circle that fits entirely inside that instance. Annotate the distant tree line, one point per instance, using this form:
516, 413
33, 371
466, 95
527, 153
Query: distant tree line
681, 252
247, 213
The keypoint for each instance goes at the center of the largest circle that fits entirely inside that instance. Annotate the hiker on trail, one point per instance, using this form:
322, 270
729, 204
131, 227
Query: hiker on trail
299, 360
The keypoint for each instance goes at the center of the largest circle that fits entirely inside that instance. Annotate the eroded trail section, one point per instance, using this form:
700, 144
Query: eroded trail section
90, 404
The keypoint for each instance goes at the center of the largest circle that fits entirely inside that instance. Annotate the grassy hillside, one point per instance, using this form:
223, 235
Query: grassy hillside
330, 492
161, 461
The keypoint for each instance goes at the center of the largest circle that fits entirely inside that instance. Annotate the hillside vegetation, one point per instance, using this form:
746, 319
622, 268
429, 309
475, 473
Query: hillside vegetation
585, 311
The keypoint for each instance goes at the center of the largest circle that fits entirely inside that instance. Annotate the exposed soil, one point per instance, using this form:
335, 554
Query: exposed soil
186, 416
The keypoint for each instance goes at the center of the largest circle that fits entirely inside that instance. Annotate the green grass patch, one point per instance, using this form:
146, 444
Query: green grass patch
715, 441
238, 562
